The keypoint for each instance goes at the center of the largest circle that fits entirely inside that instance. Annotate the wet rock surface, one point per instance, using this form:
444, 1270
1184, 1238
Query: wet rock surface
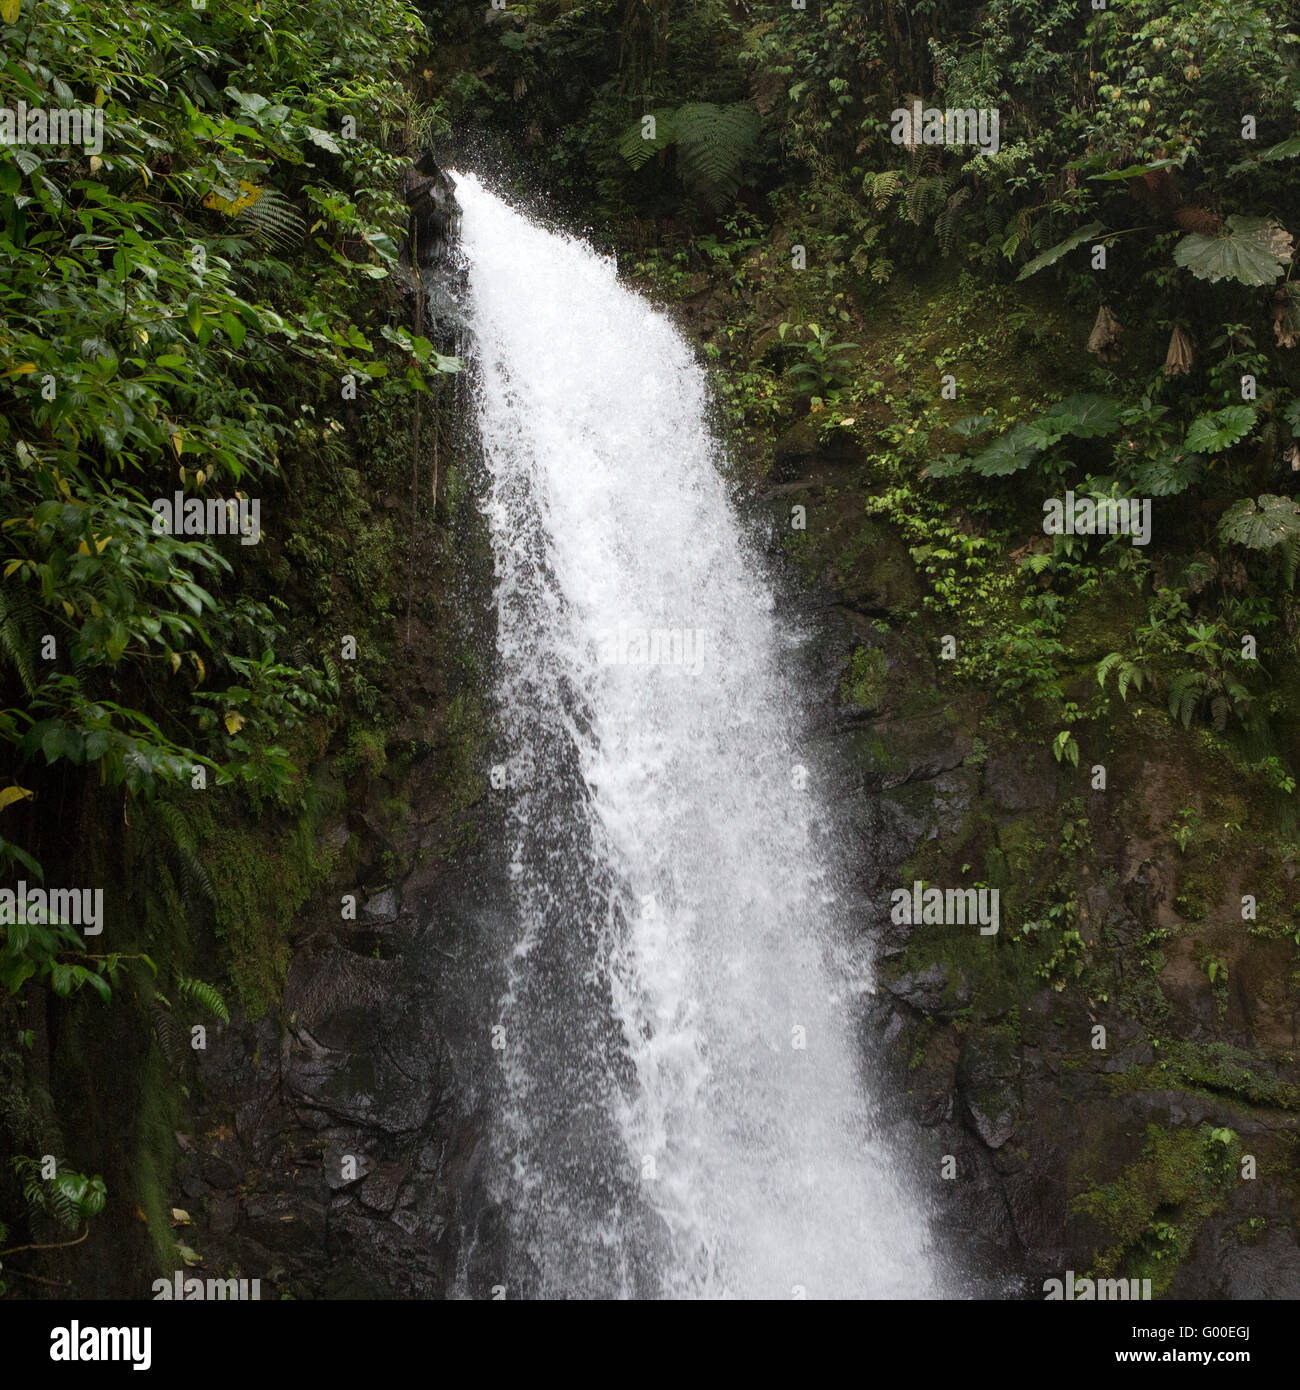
1067, 1102
334, 1152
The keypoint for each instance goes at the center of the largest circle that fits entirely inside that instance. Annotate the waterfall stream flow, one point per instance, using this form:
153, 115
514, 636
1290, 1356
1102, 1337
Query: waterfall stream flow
686, 1107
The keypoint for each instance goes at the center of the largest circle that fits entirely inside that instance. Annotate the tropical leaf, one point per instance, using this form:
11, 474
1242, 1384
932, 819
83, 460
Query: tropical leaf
200, 992
1087, 415
1260, 524
1250, 250
1132, 171
324, 139
636, 147
1286, 149
1167, 475
946, 466
1062, 248
1045, 432
1211, 434
1014, 451
712, 144
971, 424
274, 221
1270, 522
1185, 693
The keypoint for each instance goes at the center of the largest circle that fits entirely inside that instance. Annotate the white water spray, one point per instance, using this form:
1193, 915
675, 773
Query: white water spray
685, 1115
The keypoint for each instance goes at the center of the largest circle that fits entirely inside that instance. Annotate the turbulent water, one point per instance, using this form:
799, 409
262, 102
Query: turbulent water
684, 1109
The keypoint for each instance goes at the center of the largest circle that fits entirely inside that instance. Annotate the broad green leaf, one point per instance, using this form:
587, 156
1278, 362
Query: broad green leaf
1167, 475
1014, 451
324, 139
1133, 170
1063, 248
1286, 149
1262, 524
1088, 415
1250, 250
1211, 434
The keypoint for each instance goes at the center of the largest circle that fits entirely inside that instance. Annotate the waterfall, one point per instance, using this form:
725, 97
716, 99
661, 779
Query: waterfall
685, 1108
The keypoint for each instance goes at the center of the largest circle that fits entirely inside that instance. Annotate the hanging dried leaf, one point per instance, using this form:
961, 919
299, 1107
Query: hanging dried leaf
1182, 352
1285, 313
1292, 456
1105, 335
767, 88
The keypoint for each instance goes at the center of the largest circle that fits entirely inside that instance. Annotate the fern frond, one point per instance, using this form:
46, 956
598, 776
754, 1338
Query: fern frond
1185, 691
200, 992
170, 1036
712, 144
273, 221
636, 147
195, 880
918, 194
880, 188
946, 226
15, 640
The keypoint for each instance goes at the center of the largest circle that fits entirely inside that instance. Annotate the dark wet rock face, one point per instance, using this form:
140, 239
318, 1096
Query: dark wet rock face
435, 215
1075, 1092
337, 1152
331, 1182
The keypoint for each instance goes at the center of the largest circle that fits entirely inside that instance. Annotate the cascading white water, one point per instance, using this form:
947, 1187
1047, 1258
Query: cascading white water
676, 929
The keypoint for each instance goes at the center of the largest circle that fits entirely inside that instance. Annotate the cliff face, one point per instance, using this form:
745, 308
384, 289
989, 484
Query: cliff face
331, 1142
1085, 1097
1079, 1089
1108, 1082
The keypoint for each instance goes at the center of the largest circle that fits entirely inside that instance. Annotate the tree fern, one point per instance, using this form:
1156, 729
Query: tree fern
636, 146
712, 145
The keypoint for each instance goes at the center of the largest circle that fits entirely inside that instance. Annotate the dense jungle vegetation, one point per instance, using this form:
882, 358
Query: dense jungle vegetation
216, 302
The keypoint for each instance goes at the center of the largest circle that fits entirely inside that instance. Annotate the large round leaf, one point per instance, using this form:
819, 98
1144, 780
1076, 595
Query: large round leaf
1251, 250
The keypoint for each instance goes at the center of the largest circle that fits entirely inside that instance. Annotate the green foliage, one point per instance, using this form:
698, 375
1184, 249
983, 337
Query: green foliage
69, 1198
1250, 250
164, 302
823, 363
177, 309
204, 994
52, 952
1153, 1209
1211, 434
712, 144
1127, 673
1064, 746
1265, 524
1062, 248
